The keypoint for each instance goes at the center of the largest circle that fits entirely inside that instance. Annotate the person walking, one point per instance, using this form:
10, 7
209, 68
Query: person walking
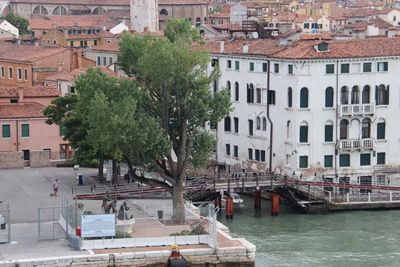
55, 187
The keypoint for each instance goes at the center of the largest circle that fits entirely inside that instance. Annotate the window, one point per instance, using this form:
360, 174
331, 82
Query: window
264, 124
303, 162
328, 161
237, 65
276, 68
251, 153
365, 159
2, 72
104, 61
5, 129
344, 160
251, 66
263, 155
271, 97
344, 68
380, 130
382, 66
10, 73
365, 94
329, 97
264, 67
94, 42
344, 95
344, 124
366, 128
81, 43
306, 25
250, 93
258, 123
214, 62
98, 61
25, 130
251, 127
304, 97
19, 74
303, 133
380, 158
367, 67
329, 132
289, 97
258, 95
236, 91
355, 95
257, 155
228, 87
330, 68
227, 149
382, 95
110, 61
380, 179
235, 151
25, 74
236, 124
227, 124
229, 64
290, 69
71, 43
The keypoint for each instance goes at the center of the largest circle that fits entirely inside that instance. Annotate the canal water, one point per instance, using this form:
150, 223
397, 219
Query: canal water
357, 238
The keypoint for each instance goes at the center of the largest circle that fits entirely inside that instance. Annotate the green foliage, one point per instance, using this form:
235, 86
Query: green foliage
183, 232
19, 22
216, 9
119, 234
181, 29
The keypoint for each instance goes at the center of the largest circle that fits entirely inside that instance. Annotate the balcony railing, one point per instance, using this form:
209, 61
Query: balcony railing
357, 109
350, 144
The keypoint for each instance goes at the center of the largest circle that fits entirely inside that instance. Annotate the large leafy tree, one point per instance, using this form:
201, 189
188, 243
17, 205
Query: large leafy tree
173, 77
20, 23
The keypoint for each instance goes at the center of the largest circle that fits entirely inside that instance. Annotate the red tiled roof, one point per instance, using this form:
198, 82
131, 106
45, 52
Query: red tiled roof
73, 75
256, 47
109, 47
21, 110
183, 2
26, 53
95, 21
76, 2
35, 91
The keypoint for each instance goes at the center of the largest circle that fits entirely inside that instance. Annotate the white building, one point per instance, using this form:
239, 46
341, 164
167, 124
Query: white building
329, 106
7, 29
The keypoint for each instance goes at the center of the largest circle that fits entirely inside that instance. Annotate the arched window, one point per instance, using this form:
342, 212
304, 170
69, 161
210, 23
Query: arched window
264, 124
250, 93
227, 124
258, 123
366, 128
355, 95
381, 129
304, 97
40, 10
228, 87
98, 10
365, 94
344, 127
288, 130
289, 97
329, 97
303, 138
328, 131
344, 95
382, 95
60, 10
164, 12
198, 22
236, 91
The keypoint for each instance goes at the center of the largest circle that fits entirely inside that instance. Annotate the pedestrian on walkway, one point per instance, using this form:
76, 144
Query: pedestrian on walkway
55, 187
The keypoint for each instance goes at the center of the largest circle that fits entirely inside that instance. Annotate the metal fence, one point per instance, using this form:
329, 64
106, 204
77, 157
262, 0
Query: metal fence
48, 224
5, 226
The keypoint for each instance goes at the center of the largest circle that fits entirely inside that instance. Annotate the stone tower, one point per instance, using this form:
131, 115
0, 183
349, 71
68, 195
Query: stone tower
144, 15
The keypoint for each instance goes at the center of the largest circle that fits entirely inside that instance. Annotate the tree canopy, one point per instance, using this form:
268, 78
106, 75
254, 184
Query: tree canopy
19, 22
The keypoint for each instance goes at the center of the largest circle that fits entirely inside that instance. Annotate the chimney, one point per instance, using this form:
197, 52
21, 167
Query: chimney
20, 94
245, 48
221, 47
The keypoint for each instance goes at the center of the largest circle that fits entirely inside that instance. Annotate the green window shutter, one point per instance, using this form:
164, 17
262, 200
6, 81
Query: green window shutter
25, 130
380, 130
251, 66
344, 160
303, 162
381, 158
328, 161
304, 98
303, 134
328, 133
365, 159
329, 97
6, 131
237, 66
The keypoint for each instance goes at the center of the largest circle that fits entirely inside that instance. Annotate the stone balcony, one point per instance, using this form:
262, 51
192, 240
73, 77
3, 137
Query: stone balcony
356, 109
351, 144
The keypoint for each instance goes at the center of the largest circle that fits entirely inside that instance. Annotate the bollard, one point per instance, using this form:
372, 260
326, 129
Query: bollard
275, 204
229, 207
347, 198
329, 196
369, 197
257, 199
390, 196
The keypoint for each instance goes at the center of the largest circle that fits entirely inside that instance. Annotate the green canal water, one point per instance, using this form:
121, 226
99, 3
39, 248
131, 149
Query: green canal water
358, 238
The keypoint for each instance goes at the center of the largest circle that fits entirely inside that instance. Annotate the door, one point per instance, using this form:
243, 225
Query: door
367, 182
27, 158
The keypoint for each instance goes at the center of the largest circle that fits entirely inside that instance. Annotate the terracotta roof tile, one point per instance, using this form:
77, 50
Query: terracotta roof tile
70, 21
35, 91
109, 47
21, 110
27, 53
256, 47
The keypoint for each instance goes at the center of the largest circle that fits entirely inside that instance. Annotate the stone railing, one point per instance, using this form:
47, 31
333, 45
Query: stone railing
349, 144
356, 109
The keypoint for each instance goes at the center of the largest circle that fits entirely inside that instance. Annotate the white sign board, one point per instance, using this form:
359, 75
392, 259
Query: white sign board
98, 225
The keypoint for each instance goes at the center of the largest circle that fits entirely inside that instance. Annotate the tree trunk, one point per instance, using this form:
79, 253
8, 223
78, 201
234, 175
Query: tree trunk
101, 170
178, 202
115, 177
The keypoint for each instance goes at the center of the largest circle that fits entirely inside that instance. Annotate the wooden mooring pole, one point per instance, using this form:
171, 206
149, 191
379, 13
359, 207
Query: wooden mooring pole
275, 204
257, 198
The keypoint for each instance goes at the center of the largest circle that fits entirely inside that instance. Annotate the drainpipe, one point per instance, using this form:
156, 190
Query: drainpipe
17, 134
337, 143
269, 120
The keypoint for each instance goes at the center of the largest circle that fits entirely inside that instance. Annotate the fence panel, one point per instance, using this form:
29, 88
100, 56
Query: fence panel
48, 224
